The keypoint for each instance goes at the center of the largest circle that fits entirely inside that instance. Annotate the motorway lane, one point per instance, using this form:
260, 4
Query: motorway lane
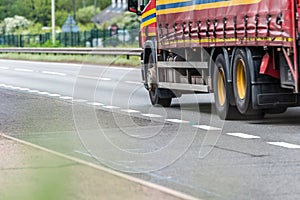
235, 162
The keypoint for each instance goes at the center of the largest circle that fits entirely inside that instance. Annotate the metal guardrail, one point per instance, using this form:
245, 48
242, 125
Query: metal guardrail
76, 51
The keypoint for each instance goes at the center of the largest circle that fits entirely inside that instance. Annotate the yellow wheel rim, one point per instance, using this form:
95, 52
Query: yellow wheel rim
241, 80
221, 87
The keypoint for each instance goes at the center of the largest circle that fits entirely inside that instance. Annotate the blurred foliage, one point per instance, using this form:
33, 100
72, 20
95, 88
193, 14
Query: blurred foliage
84, 15
47, 44
39, 11
128, 20
14, 24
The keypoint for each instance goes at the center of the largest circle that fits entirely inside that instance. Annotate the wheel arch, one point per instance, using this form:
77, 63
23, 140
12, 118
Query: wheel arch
248, 53
214, 54
150, 47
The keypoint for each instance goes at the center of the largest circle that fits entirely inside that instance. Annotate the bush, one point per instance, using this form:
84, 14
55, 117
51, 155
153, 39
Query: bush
14, 24
84, 15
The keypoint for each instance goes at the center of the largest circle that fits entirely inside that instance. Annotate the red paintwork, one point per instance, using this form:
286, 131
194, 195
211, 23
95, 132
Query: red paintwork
268, 23
150, 30
253, 29
267, 67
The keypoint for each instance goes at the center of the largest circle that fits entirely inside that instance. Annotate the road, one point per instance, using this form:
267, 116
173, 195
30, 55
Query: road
103, 115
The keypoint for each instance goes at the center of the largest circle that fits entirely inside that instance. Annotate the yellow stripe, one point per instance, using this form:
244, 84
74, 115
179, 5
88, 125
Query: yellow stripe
205, 6
218, 40
147, 23
149, 12
149, 34
161, 2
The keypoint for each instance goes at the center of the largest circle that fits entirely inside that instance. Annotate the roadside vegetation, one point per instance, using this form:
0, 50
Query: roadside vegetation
134, 61
33, 17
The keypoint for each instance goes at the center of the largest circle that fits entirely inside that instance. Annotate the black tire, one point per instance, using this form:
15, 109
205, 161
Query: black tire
242, 85
242, 82
223, 91
154, 91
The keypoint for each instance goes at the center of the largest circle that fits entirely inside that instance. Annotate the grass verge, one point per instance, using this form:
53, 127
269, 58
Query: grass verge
134, 61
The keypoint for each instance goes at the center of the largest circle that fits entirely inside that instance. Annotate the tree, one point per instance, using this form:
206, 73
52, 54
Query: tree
11, 24
84, 15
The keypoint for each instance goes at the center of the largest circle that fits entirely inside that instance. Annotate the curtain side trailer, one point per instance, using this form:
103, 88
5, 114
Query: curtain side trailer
246, 52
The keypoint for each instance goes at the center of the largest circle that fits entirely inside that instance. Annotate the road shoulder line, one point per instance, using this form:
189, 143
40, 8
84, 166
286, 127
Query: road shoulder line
107, 170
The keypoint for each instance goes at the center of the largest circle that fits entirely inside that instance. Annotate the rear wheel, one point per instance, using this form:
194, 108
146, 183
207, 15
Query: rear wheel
154, 91
242, 85
223, 91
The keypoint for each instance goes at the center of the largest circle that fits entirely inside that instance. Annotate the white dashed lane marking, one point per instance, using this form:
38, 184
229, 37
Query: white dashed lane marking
94, 78
5, 68
105, 79
44, 93
130, 111
285, 145
207, 128
133, 82
54, 95
66, 98
95, 104
54, 73
23, 70
111, 107
204, 127
79, 100
179, 121
243, 135
152, 115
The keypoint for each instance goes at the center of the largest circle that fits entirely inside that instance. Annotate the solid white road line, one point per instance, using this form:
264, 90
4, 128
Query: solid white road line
285, 145
130, 111
33, 91
152, 115
154, 186
243, 135
24, 89
207, 128
179, 121
23, 70
54, 73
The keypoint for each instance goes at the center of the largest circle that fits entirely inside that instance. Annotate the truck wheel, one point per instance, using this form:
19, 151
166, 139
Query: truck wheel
222, 91
242, 86
242, 82
154, 91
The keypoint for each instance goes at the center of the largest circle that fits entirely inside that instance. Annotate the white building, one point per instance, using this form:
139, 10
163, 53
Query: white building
119, 3
117, 8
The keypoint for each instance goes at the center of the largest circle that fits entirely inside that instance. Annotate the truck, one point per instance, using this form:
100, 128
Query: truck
244, 51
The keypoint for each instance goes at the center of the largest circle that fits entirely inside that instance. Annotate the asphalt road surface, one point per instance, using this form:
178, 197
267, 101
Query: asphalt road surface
102, 114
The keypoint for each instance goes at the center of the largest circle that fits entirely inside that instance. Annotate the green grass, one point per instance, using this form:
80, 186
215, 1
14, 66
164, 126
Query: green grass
134, 61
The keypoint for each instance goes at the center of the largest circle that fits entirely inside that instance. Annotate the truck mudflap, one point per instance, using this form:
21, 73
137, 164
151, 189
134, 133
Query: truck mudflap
273, 99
